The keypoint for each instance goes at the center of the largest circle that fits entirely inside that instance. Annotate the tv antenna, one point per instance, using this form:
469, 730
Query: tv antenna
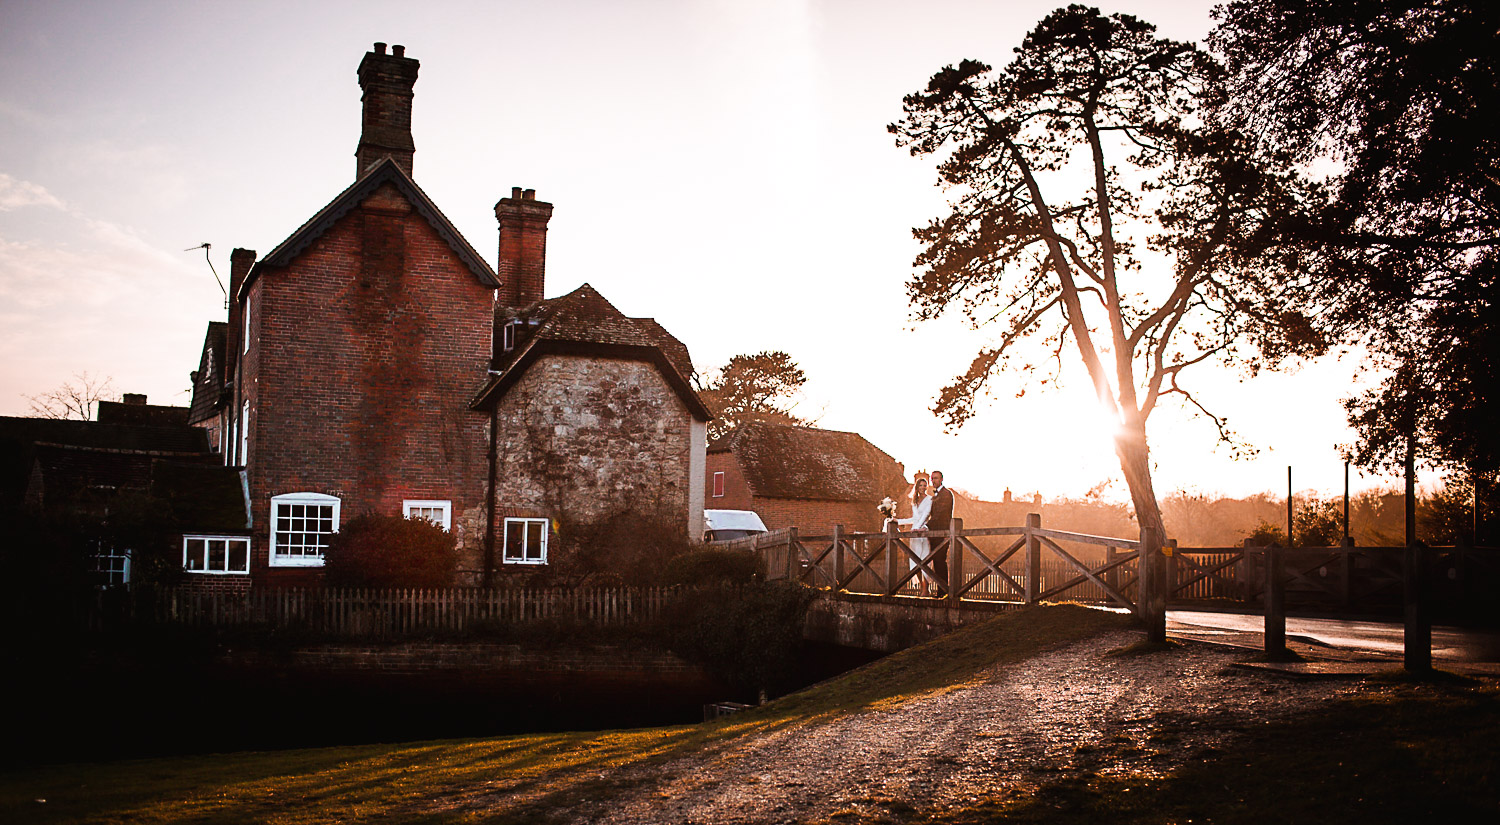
205, 247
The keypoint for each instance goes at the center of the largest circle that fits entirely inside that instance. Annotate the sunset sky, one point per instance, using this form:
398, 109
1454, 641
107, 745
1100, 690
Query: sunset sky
721, 166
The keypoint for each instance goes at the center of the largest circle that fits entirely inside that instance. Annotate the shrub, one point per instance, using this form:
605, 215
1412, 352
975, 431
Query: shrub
389, 551
713, 565
750, 636
629, 547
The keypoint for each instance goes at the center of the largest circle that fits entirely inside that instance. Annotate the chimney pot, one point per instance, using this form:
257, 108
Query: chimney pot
529, 194
399, 51
515, 192
379, 48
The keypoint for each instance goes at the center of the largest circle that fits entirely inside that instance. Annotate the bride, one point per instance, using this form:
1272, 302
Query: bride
921, 507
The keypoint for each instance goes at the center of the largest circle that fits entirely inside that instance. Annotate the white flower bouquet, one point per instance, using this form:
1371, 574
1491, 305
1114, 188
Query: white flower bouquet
887, 507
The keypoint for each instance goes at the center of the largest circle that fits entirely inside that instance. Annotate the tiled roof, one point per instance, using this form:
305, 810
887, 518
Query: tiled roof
20, 439
208, 388
204, 497
781, 461
583, 322
151, 415
382, 173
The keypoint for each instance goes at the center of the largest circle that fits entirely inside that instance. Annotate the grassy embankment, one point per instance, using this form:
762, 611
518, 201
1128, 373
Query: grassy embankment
1430, 745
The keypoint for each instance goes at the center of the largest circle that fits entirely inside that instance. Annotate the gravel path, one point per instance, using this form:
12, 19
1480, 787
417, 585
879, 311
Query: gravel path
1070, 710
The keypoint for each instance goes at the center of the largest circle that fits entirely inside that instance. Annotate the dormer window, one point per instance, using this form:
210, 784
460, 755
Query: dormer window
509, 335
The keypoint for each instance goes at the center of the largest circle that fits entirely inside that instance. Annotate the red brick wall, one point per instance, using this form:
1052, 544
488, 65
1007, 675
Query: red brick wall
813, 517
363, 356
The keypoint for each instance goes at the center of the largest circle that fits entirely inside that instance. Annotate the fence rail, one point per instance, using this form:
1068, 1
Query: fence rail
1029, 563
370, 612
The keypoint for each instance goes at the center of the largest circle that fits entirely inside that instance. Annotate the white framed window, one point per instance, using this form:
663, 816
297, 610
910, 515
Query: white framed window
508, 334
221, 555
108, 566
525, 541
437, 512
301, 525
245, 434
718, 485
245, 335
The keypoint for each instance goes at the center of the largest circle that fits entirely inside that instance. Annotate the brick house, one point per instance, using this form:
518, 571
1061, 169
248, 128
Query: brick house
375, 362
802, 476
138, 486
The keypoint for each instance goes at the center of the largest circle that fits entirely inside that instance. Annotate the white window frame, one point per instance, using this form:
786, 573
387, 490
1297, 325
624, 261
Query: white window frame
283, 559
206, 539
445, 505
508, 334
526, 525
718, 485
245, 334
245, 434
113, 565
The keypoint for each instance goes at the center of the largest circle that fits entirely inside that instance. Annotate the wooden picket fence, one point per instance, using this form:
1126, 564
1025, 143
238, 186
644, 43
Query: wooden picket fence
370, 612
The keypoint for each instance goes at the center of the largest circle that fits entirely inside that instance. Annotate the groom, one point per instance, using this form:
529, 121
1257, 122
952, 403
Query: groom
940, 519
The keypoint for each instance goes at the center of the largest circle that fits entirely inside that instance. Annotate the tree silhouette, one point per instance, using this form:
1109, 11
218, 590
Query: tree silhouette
758, 387
1095, 208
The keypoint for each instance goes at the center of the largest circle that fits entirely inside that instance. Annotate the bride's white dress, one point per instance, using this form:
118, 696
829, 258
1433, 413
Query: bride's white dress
918, 521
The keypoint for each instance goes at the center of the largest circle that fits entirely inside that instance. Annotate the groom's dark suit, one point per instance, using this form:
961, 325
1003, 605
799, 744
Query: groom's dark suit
941, 519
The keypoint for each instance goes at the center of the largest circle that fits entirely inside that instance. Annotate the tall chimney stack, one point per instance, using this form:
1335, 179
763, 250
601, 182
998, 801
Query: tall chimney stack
523, 247
387, 81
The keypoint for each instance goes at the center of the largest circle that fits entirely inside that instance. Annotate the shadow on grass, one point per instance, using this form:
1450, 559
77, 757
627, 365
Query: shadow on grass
483, 779
1424, 754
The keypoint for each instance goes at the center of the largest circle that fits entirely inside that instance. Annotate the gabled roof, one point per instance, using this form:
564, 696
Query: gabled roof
382, 173
584, 323
151, 415
20, 439
210, 379
203, 495
781, 461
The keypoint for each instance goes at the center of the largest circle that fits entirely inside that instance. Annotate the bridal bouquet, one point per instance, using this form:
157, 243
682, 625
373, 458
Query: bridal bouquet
887, 507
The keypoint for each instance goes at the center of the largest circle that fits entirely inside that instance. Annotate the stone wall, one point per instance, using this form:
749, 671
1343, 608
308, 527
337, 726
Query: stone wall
585, 438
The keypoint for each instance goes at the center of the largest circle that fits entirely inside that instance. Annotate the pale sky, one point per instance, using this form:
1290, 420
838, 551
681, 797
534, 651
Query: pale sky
721, 166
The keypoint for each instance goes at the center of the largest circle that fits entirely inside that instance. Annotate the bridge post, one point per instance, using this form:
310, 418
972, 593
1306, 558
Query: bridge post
892, 566
1171, 578
1152, 598
793, 564
838, 557
955, 561
1275, 631
1033, 558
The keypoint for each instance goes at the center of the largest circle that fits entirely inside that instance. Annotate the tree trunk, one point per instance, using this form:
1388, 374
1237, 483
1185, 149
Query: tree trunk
1135, 463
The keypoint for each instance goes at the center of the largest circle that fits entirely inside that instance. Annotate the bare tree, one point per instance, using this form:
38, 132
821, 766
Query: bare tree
75, 398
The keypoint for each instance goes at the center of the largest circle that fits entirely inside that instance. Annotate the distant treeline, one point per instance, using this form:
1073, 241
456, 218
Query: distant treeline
1376, 518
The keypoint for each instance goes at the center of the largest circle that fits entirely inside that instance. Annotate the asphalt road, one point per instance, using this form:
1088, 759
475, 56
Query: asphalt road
1337, 637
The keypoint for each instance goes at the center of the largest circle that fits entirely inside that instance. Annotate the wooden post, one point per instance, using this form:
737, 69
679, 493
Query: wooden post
892, 563
1110, 576
1152, 600
1418, 630
955, 561
1170, 577
793, 564
1275, 629
1346, 573
838, 557
1033, 558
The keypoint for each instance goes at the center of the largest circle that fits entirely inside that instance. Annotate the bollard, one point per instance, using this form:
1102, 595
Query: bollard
1275, 630
1417, 633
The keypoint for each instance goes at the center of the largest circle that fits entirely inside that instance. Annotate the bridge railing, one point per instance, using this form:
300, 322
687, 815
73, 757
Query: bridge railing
1030, 563
1022, 564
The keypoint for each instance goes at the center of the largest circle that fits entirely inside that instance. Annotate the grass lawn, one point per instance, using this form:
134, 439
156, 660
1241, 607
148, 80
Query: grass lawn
1399, 751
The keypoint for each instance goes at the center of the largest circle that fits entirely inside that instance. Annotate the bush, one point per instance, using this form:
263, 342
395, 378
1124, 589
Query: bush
389, 551
628, 547
750, 636
713, 565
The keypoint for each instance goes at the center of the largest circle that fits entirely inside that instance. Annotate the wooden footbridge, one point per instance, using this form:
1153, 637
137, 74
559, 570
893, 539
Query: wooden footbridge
871, 594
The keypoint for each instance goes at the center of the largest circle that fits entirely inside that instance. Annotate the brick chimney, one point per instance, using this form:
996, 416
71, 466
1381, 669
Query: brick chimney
523, 247
134, 399
240, 262
387, 81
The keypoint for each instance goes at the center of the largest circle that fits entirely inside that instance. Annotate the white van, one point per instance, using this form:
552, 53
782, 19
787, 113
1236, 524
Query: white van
722, 525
